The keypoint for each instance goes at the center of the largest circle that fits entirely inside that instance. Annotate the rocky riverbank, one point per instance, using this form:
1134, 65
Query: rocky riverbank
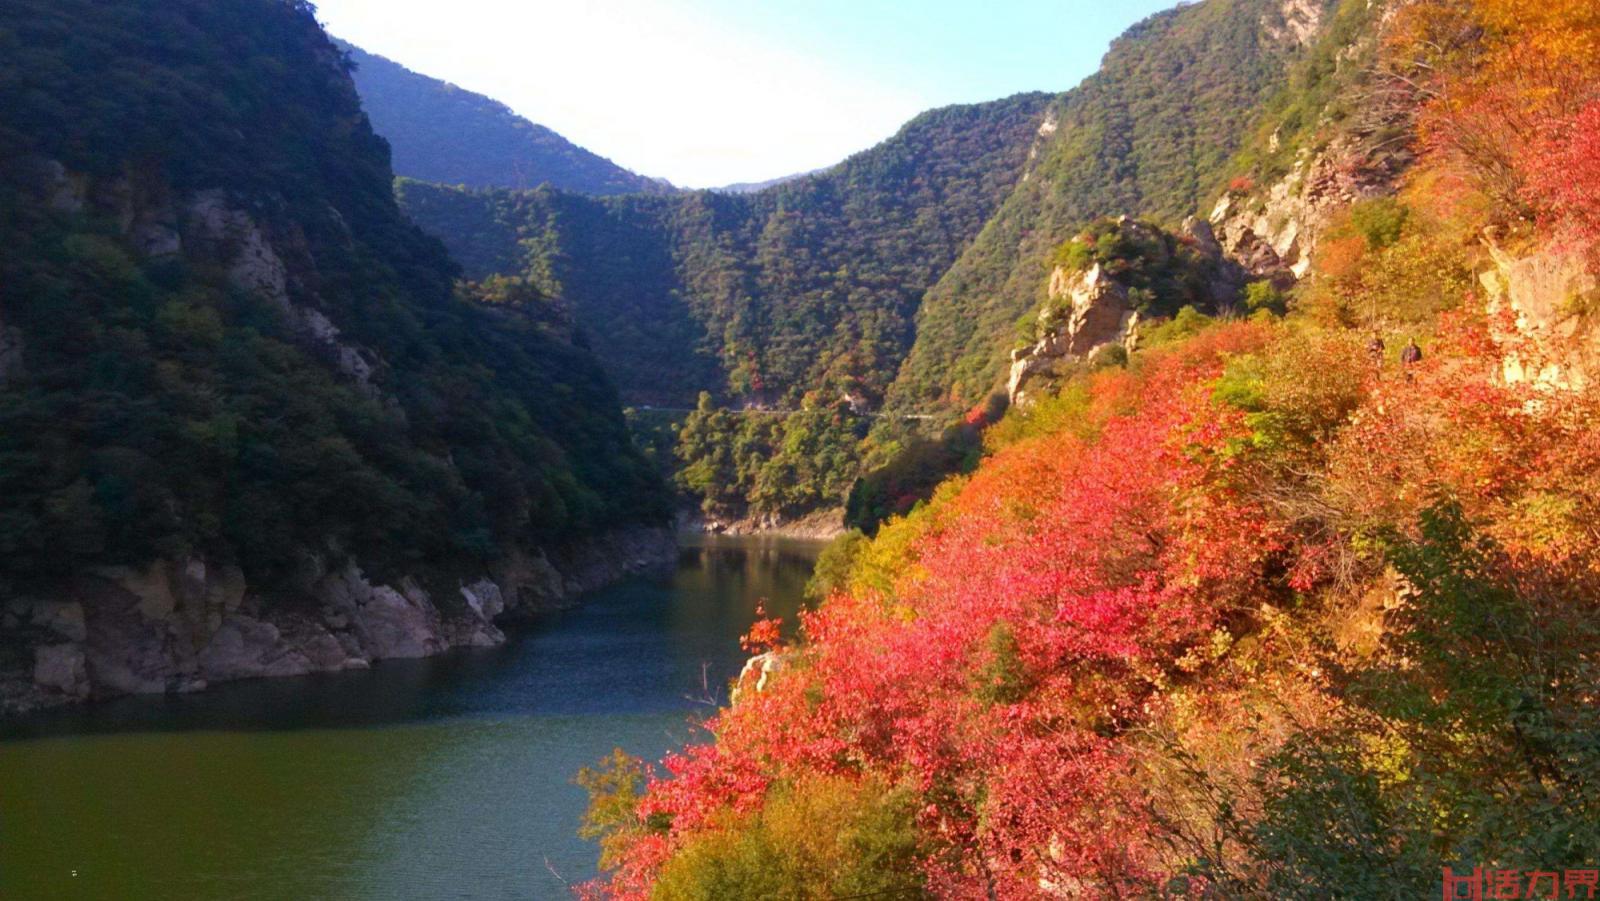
822, 525
183, 625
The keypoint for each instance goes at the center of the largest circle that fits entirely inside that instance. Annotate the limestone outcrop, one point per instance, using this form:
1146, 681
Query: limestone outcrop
255, 264
183, 625
206, 226
820, 525
1273, 235
758, 671
1552, 298
1088, 313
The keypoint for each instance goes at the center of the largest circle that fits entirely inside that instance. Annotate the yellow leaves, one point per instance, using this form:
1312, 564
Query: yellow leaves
1562, 28
1219, 644
1546, 522
1388, 755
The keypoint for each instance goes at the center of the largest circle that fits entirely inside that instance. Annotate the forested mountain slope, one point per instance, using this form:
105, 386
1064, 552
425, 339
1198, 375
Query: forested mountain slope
231, 367
903, 264
445, 134
1150, 134
1299, 605
898, 275
808, 285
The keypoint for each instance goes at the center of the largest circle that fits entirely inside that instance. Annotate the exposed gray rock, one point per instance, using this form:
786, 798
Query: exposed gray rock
62, 668
231, 234
485, 598
1551, 296
255, 265
248, 648
1296, 22
1273, 233
820, 525
128, 652
390, 622
65, 192
1087, 314
61, 618
183, 625
1204, 237
758, 673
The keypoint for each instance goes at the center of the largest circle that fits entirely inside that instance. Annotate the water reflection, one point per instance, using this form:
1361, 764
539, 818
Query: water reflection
440, 778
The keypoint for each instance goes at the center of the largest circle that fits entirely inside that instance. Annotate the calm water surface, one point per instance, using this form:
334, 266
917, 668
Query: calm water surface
437, 779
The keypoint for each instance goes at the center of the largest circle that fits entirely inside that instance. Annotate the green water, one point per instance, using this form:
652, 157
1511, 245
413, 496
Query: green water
439, 779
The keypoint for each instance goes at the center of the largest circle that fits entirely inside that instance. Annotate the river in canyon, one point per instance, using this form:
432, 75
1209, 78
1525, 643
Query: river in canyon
447, 778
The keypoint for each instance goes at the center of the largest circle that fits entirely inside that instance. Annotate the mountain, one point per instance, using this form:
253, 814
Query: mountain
751, 187
909, 294
809, 285
441, 133
1299, 604
1150, 134
249, 423
895, 279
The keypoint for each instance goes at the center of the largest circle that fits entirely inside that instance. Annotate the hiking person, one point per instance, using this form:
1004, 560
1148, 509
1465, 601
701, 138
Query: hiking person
1410, 355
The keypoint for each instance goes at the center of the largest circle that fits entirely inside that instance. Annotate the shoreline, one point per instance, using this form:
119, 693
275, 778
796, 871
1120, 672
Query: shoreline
178, 627
822, 525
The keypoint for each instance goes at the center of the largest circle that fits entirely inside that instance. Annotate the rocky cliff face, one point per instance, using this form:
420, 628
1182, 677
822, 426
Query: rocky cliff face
1093, 314
1552, 300
1274, 233
208, 227
182, 625
1095, 317
1357, 149
822, 525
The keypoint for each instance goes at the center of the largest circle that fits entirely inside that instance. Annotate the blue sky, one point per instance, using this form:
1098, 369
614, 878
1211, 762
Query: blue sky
710, 92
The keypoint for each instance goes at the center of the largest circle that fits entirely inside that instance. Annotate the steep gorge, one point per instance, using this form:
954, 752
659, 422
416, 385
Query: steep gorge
248, 423
809, 285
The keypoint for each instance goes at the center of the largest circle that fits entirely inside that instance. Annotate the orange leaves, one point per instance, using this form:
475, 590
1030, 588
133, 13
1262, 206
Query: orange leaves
1558, 28
1517, 84
1082, 582
764, 634
1340, 257
1065, 572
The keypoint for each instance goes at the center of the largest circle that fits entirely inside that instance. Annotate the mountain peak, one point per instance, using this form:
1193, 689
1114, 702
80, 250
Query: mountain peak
443, 133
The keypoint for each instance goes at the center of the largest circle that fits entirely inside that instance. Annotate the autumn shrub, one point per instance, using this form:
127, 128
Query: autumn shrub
1186, 323
1564, 177
832, 571
614, 786
1380, 221
1260, 613
1251, 617
819, 838
1504, 76
1408, 282
1469, 741
1264, 295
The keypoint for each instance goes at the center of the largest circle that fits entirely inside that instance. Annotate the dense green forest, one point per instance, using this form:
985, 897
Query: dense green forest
895, 277
809, 285
1153, 133
446, 134
790, 464
233, 342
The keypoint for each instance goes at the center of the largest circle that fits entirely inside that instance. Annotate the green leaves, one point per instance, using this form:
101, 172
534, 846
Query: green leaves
166, 408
